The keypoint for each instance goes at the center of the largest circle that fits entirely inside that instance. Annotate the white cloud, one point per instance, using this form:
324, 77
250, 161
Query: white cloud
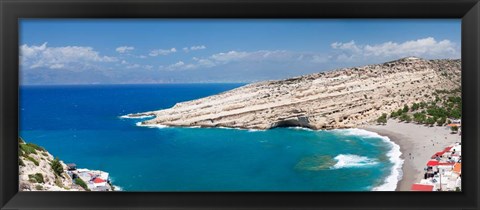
68, 57
230, 56
268, 56
205, 63
428, 48
124, 49
133, 66
193, 48
180, 65
223, 58
138, 66
200, 47
158, 52
350, 46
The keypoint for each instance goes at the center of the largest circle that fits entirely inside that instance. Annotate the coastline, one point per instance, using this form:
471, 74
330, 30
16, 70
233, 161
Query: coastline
395, 155
417, 143
418, 140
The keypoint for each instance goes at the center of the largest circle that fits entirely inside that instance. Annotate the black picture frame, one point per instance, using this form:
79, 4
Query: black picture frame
12, 10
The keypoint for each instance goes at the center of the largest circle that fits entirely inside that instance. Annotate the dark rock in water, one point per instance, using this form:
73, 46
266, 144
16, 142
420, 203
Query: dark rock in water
316, 163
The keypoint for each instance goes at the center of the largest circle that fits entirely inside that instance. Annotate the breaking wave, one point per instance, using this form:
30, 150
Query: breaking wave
136, 117
391, 182
151, 126
349, 161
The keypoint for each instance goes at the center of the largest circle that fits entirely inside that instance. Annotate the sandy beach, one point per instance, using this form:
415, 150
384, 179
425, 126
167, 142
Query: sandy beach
417, 144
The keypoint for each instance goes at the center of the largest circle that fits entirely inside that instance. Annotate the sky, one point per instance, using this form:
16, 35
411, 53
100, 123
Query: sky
150, 51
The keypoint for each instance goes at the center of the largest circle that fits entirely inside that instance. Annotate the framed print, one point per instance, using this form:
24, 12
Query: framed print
222, 104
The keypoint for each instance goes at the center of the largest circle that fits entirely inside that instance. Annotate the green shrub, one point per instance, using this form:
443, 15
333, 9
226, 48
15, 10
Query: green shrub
415, 107
454, 129
456, 113
405, 108
423, 104
419, 117
396, 114
36, 178
36, 147
393, 114
455, 99
382, 119
58, 181
441, 121
57, 167
27, 149
405, 117
430, 121
38, 187
81, 183
33, 160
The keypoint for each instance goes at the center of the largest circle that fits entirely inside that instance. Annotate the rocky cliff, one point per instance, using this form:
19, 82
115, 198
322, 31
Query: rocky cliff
340, 98
36, 172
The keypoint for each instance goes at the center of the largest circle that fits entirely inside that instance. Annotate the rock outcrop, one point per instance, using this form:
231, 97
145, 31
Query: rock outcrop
342, 98
36, 172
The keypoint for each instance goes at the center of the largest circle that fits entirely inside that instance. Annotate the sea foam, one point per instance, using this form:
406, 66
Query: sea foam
394, 154
136, 117
349, 161
150, 125
301, 128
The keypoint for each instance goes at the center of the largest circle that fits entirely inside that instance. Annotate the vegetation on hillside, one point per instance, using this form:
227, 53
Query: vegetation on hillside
81, 183
382, 119
57, 167
447, 104
36, 178
29, 148
25, 149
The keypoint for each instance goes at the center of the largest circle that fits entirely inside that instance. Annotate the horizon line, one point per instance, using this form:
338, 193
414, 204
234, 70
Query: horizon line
107, 84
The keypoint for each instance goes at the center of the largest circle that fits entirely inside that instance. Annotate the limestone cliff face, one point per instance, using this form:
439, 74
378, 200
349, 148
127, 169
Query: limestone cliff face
341, 98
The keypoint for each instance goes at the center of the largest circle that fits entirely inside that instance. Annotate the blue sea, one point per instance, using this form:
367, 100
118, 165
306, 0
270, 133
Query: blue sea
82, 124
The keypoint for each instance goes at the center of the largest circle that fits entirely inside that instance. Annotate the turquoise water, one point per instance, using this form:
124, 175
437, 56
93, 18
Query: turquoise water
82, 124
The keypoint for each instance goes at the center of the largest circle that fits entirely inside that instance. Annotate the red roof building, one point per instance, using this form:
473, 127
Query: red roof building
432, 163
446, 164
447, 149
98, 180
438, 153
422, 187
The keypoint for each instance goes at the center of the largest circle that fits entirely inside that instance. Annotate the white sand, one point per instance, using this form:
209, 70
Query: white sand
418, 140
